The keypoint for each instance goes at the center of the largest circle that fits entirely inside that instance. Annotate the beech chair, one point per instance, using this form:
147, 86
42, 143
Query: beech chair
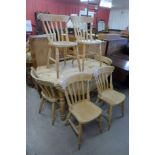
103, 59
55, 27
85, 36
106, 93
47, 94
76, 89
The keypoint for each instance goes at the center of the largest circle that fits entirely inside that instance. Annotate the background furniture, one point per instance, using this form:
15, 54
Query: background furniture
58, 38
76, 89
48, 93
39, 50
106, 93
117, 49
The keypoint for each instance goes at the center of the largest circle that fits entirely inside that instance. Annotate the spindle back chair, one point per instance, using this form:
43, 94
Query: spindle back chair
106, 93
76, 89
48, 93
80, 24
55, 27
84, 35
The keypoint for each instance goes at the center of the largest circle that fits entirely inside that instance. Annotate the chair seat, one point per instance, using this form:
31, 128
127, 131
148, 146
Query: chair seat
64, 44
49, 98
88, 42
85, 111
112, 97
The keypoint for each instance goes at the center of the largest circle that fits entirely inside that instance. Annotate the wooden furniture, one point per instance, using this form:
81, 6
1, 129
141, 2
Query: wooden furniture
55, 27
84, 36
48, 93
76, 89
114, 43
39, 50
106, 93
49, 74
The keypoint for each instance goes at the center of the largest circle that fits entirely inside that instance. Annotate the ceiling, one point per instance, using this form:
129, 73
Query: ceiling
116, 3
120, 4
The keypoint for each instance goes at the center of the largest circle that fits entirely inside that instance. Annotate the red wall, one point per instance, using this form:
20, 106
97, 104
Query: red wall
65, 7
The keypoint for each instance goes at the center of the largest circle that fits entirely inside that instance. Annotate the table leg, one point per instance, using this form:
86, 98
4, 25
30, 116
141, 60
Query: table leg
62, 105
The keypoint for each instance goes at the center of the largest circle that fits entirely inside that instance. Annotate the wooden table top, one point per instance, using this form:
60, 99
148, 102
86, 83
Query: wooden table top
49, 74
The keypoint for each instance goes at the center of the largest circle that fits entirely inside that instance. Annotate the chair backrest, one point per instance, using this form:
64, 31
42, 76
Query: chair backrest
46, 87
103, 78
76, 87
80, 24
55, 26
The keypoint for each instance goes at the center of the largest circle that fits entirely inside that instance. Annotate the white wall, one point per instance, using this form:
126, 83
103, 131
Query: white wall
119, 19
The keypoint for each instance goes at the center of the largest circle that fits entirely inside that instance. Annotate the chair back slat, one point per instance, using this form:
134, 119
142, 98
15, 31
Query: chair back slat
76, 87
54, 25
78, 90
66, 34
70, 93
103, 78
46, 87
74, 92
83, 93
61, 30
80, 24
54, 32
48, 27
88, 95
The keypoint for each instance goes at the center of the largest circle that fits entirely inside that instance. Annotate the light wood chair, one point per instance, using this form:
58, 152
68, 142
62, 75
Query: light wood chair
80, 107
106, 93
55, 27
47, 94
85, 36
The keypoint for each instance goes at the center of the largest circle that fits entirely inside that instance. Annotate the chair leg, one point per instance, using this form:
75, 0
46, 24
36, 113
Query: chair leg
83, 57
68, 117
65, 54
53, 113
109, 116
122, 108
79, 135
100, 50
78, 59
42, 102
57, 62
100, 123
49, 54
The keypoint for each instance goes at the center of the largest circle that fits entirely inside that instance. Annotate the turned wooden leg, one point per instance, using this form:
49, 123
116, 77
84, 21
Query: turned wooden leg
83, 57
65, 55
57, 62
122, 108
78, 59
109, 116
68, 117
62, 104
79, 135
100, 123
49, 55
53, 113
42, 102
100, 54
